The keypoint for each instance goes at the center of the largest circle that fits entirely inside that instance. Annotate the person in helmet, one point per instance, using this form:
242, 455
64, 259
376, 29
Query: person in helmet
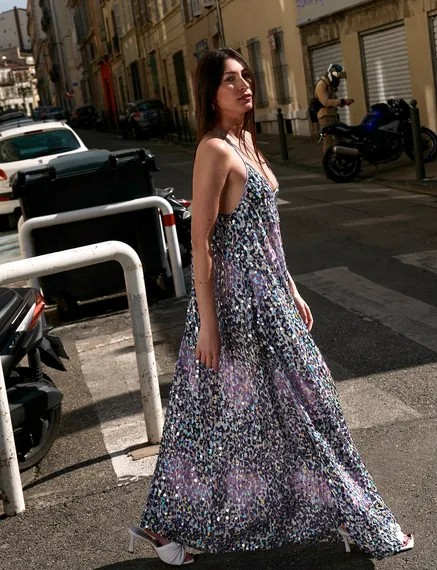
325, 92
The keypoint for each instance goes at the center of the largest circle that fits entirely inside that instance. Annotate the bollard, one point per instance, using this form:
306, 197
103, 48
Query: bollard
417, 140
177, 123
282, 136
11, 492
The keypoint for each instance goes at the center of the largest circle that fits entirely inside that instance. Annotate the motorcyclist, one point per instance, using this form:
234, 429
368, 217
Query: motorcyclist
325, 92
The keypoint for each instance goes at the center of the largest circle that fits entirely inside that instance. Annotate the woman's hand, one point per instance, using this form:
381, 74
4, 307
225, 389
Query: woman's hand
208, 346
304, 310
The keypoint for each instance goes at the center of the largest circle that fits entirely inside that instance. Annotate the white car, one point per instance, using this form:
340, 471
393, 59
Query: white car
32, 145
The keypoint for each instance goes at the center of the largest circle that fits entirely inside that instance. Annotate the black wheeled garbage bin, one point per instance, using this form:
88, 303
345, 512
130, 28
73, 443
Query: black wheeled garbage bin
84, 180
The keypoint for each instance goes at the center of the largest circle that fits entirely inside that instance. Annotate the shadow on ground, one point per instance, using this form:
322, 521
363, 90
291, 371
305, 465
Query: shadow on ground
315, 557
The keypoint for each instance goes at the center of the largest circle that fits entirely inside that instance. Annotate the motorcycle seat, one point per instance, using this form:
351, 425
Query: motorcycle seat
342, 127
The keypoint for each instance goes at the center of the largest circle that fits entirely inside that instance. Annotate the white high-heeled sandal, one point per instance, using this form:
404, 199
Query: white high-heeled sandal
408, 539
172, 553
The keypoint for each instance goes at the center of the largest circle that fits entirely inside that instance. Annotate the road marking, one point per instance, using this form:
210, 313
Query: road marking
413, 319
110, 373
315, 187
300, 176
366, 406
423, 259
281, 202
378, 220
359, 201
9, 248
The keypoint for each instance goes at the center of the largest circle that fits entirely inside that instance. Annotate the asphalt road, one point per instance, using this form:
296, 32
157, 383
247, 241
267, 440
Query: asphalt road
365, 259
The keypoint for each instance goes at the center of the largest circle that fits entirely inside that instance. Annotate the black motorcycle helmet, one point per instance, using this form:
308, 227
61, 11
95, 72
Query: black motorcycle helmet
334, 73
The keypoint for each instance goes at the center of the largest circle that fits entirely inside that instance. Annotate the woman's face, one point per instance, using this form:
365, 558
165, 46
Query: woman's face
234, 95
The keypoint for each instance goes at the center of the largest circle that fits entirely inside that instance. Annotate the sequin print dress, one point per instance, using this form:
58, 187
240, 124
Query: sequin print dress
259, 455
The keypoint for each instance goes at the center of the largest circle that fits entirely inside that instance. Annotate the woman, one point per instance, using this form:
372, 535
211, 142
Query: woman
255, 450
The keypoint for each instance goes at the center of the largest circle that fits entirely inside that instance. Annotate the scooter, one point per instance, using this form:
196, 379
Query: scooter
34, 401
182, 216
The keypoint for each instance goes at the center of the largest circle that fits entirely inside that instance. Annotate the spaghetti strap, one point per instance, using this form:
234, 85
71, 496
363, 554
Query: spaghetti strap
246, 162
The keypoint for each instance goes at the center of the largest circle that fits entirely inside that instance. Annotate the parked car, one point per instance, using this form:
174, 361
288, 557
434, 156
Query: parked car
13, 116
85, 117
31, 145
48, 112
145, 118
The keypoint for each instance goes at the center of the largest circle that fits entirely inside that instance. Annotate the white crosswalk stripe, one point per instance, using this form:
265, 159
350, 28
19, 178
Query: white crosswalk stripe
379, 220
413, 319
424, 259
109, 370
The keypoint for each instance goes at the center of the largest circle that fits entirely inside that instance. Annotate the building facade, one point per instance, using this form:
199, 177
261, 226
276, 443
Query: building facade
388, 48
18, 84
13, 30
133, 49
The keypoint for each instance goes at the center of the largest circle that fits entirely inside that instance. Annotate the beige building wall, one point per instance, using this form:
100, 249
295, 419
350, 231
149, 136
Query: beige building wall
165, 37
348, 25
244, 20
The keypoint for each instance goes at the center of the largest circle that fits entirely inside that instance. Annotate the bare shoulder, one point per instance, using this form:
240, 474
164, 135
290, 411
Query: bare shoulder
213, 148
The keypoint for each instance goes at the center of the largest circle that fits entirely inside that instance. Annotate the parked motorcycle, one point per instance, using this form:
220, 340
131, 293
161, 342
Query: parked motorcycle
183, 222
34, 400
383, 135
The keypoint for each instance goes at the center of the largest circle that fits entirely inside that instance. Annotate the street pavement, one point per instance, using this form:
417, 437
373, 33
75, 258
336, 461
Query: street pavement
365, 259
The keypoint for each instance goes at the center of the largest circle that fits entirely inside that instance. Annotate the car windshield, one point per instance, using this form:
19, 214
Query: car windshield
148, 105
36, 144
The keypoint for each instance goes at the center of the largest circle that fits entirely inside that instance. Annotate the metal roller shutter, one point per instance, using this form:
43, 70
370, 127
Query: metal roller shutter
387, 70
320, 58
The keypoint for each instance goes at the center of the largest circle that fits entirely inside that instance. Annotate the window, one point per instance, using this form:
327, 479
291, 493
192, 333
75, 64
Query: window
32, 146
186, 11
195, 7
150, 105
280, 68
164, 7
136, 82
149, 11
254, 47
157, 11
137, 13
208, 3
155, 76
181, 78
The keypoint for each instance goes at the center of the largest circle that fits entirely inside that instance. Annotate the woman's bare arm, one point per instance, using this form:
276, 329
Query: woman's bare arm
211, 170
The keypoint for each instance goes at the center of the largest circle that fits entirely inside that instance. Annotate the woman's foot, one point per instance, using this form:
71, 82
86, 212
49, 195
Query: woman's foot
163, 541
407, 539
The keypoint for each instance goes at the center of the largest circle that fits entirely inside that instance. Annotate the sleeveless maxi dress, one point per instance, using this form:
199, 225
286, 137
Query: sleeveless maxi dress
259, 455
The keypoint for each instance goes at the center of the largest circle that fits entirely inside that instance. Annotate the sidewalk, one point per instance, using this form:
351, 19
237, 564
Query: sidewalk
305, 152
91, 487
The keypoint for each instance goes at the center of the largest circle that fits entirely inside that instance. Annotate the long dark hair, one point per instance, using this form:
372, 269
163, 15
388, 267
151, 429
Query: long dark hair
209, 74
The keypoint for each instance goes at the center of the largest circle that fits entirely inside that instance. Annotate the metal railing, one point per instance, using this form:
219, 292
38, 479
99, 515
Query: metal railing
10, 482
25, 229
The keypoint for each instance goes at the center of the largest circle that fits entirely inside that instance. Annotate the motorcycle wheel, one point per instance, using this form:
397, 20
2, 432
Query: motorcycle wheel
341, 168
429, 141
35, 440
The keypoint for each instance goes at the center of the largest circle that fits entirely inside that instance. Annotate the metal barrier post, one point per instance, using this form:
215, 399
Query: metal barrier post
282, 136
143, 343
417, 140
177, 123
11, 491
25, 229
